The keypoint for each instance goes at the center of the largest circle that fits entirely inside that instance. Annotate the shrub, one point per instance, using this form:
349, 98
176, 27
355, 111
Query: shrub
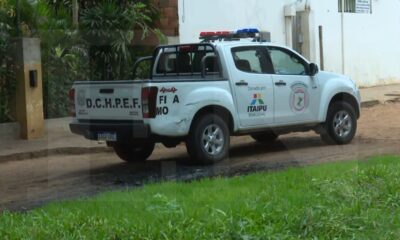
109, 28
101, 48
7, 82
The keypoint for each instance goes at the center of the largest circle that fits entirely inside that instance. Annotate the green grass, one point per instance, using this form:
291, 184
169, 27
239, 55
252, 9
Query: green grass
351, 200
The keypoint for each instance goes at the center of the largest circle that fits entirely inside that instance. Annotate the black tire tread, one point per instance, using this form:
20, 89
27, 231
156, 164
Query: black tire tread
193, 144
133, 153
328, 135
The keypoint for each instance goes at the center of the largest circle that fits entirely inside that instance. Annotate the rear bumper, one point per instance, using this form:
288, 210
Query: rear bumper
125, 130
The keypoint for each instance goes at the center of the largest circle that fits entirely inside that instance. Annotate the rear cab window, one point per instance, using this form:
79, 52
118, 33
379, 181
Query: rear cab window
194, 60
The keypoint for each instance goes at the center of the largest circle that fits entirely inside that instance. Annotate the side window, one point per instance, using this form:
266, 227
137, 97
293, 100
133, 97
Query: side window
252, 59
355, 6
287, 63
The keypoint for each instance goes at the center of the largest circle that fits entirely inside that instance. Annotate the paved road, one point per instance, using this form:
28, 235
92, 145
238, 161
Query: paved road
31, 183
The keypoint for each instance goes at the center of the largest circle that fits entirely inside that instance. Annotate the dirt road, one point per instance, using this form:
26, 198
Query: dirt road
31, 183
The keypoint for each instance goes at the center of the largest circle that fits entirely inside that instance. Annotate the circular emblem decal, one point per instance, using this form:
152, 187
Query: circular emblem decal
299, 98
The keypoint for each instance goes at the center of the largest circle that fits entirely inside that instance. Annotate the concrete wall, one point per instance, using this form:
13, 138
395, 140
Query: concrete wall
371, 41
196, 16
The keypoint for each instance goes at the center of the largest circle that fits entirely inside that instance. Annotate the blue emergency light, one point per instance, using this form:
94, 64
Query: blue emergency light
248, 31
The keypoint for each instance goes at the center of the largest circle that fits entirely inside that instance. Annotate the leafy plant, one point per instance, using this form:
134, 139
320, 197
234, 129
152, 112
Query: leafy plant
7, 85
62, 66
64, 57
109, 29
101, 48
12, 25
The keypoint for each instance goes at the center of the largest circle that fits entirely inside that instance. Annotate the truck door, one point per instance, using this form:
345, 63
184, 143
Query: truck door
297, 94
252, 83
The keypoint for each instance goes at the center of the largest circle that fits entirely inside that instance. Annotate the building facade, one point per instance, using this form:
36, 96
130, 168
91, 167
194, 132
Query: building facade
168, 23
360, 39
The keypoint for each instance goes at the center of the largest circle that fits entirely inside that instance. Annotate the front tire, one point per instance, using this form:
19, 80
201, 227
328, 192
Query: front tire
341, 124
209, 139
130, 152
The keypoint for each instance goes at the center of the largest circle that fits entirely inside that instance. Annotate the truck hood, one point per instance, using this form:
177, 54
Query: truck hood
327, 75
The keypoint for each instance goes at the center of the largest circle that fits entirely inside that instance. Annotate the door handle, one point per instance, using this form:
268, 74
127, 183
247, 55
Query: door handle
242, 83
281, 83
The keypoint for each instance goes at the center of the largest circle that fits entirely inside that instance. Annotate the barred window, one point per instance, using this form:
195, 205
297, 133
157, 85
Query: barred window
355, 6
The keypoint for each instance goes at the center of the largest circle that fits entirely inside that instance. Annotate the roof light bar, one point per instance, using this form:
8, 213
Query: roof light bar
223, 33
241, 33
207, 34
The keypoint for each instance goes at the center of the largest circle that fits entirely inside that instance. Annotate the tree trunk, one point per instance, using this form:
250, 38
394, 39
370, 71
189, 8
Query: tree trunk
75, 12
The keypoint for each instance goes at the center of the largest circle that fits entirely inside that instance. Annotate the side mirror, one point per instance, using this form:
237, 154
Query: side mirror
313, 69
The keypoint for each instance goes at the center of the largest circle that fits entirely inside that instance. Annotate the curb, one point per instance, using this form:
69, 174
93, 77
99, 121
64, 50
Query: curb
53, 152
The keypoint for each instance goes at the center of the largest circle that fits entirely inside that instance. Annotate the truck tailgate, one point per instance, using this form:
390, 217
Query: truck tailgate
108, 100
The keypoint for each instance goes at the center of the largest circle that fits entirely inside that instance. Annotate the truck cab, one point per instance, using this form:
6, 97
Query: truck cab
201, 94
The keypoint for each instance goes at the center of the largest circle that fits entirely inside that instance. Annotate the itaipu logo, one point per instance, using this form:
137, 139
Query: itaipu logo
257, 105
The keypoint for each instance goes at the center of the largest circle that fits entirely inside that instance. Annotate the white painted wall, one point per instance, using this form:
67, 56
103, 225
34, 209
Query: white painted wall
371, 46
196, 16
372, 41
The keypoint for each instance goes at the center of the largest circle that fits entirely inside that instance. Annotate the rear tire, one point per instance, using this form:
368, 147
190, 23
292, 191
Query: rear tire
130, 152
209, 139
265, 137
341, 124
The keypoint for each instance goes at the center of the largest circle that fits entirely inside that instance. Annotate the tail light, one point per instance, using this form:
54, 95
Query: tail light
149, 102
71, 95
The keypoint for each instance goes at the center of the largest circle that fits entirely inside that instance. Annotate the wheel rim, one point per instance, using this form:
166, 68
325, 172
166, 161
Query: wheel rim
213, 140
342, 124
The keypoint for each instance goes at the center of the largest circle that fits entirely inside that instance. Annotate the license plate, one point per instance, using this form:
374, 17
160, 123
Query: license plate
107, 136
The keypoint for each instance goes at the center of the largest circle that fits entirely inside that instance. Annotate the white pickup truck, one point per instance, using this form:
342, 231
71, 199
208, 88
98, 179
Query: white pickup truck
203, 93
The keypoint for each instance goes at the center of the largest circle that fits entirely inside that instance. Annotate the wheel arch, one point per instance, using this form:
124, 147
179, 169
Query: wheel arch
348, 98
218, 110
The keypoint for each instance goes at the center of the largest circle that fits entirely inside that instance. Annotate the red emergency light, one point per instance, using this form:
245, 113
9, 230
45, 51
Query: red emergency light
223, 33
207, 34
216, 34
